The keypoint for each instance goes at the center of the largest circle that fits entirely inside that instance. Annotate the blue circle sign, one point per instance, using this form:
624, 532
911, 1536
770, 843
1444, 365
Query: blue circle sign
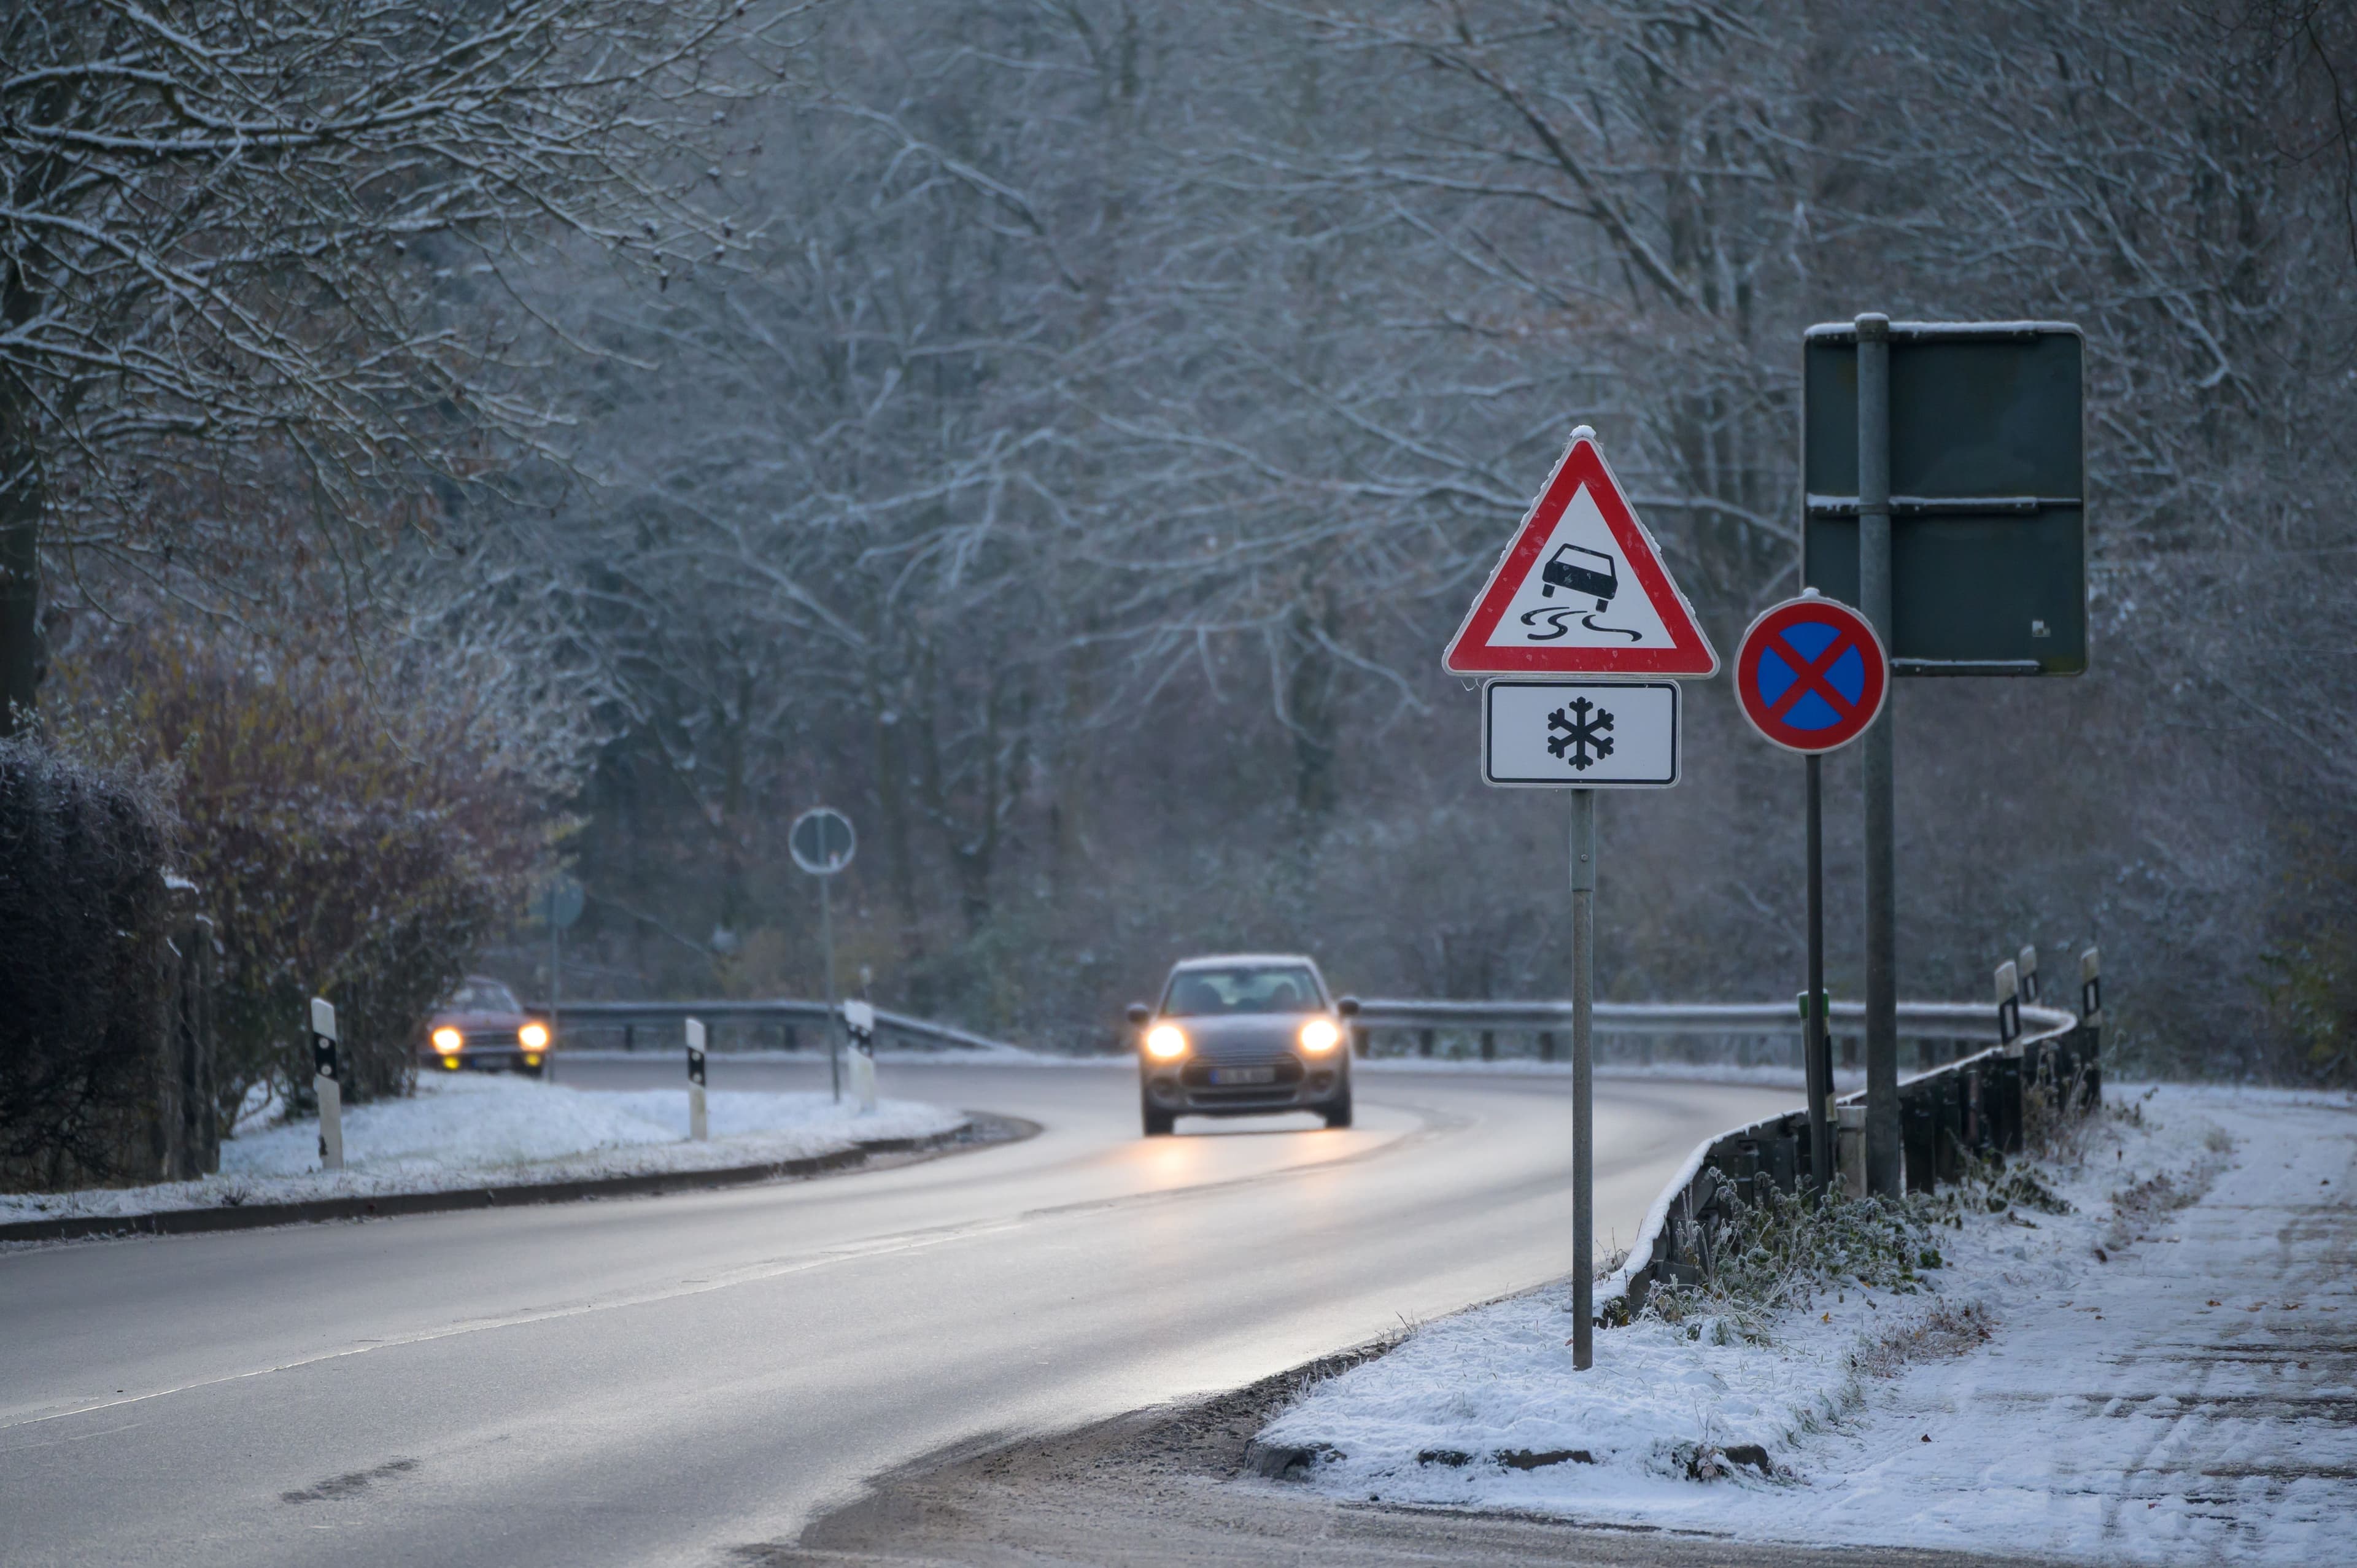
1811, 674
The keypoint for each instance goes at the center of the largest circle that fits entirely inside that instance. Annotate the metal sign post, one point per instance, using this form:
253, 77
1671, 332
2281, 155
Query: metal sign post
1583, 1078
1812, 676
821, 842
1978, 428
1582, 538
1883, 1155
1816, 1037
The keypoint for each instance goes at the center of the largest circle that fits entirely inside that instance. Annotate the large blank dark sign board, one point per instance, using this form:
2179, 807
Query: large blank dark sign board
1988, 507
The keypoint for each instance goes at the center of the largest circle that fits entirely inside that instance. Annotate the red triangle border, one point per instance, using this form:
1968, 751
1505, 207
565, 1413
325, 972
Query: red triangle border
1582, 464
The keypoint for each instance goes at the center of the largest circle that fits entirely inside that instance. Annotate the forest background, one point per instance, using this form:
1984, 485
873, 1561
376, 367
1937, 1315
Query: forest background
1062, 434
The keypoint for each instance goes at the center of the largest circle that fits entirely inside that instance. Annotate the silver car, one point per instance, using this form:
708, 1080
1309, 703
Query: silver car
1244, 1035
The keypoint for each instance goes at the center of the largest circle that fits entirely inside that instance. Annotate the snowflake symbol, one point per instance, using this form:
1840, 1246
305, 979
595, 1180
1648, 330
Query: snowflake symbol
1580, 733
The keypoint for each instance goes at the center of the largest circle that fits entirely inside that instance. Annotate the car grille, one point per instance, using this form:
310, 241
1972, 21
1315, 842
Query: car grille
1197, 1077
481, 1039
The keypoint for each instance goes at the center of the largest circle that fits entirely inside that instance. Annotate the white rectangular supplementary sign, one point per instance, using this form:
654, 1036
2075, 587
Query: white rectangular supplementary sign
1579, 734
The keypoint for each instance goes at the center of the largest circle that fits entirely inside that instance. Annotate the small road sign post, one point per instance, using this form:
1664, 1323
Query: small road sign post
326, 1082
821, 842
698, 1127
1587, 699
1970, 436
1812, 676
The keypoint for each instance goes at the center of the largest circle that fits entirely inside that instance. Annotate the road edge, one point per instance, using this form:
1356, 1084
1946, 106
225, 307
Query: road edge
979, 1130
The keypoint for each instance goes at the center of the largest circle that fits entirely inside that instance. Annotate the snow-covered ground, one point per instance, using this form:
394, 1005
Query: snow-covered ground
2167, 1373
473, 1130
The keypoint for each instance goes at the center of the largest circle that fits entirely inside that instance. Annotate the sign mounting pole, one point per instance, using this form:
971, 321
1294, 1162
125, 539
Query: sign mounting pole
1815, 1039
1882, 1148
1813, 676
1583, 1079
821, 842
1587, 636
834, 1024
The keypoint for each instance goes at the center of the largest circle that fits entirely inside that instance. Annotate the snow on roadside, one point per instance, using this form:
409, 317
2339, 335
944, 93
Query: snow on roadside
2166, 1372
473, 1130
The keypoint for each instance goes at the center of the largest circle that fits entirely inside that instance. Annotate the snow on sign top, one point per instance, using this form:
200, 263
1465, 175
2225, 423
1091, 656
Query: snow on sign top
1582, 589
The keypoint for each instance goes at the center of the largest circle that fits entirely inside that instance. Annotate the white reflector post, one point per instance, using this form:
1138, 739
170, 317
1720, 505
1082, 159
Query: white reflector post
327, 1072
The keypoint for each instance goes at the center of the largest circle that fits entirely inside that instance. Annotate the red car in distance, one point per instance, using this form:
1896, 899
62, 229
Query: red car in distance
482, 1027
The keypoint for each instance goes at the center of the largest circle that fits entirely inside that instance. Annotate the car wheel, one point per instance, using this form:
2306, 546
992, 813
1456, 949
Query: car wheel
1339, 1114
531, 1071
1159, 1123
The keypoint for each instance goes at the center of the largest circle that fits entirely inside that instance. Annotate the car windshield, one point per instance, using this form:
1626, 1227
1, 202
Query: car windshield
482, 996
1253, 988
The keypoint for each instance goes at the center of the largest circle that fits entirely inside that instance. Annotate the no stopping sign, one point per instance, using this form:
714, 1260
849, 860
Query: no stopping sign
1811, 674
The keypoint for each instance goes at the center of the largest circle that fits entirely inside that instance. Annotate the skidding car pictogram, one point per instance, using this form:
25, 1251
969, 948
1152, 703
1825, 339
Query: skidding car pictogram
1563, 571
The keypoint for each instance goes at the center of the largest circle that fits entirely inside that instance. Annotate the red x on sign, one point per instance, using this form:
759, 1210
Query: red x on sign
1811, 674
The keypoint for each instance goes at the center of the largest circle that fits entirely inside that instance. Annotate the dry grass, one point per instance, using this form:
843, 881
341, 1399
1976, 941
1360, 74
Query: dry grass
1948, 1329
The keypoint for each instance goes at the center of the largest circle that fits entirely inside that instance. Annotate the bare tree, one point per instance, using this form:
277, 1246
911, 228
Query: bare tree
258, 258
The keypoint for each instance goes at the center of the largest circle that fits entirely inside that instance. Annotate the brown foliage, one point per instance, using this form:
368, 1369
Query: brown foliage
346, 847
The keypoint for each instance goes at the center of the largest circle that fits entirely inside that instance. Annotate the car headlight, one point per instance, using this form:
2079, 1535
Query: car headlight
1319, 1035
534, 1036
446, 1040
1166, 1042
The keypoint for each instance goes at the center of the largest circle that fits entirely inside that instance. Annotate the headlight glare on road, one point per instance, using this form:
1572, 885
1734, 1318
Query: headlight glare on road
1166, 1042
534, 1036
1319, 1035
448, 1040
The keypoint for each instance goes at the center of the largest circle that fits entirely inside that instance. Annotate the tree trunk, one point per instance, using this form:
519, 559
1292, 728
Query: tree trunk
23, 660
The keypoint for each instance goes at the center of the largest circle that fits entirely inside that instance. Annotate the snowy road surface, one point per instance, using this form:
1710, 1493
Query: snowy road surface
2168, 1374
669, 1381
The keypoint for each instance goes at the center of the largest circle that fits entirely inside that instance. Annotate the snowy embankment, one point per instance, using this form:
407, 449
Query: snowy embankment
2168, 1372
473, 1130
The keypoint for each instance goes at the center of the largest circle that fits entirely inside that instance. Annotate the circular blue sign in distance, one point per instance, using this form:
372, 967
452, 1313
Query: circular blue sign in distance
1811, 674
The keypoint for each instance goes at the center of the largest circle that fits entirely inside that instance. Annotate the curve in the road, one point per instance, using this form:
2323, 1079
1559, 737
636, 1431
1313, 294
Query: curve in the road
660, 1381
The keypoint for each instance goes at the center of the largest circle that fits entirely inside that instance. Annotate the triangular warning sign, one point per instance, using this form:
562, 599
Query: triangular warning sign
1581, 590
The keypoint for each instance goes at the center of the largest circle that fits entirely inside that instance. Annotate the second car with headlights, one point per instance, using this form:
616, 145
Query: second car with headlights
1244, 1035
484, 1027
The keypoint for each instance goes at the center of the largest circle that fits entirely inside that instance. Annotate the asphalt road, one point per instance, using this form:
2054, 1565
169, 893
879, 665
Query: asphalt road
681, 1379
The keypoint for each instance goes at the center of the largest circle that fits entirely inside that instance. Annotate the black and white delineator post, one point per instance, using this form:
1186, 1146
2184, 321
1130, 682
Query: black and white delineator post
2008, 1002
327, 1082
699, 1129
859, 1021
1624, 637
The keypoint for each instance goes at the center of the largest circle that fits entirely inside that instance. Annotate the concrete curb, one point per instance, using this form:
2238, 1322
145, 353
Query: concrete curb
979, 1130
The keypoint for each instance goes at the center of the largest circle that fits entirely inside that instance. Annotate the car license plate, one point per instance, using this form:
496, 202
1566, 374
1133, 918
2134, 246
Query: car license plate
1244, 1075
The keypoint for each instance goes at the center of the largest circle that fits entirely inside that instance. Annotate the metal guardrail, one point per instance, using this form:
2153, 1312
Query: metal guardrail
779, 1010
1970, 1107
1917, 1020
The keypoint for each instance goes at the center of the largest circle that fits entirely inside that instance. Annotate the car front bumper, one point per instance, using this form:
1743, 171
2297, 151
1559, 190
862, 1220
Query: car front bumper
1218, 1086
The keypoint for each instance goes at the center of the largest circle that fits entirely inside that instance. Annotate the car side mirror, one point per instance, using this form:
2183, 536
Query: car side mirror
1139, 1012
1347, 1006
